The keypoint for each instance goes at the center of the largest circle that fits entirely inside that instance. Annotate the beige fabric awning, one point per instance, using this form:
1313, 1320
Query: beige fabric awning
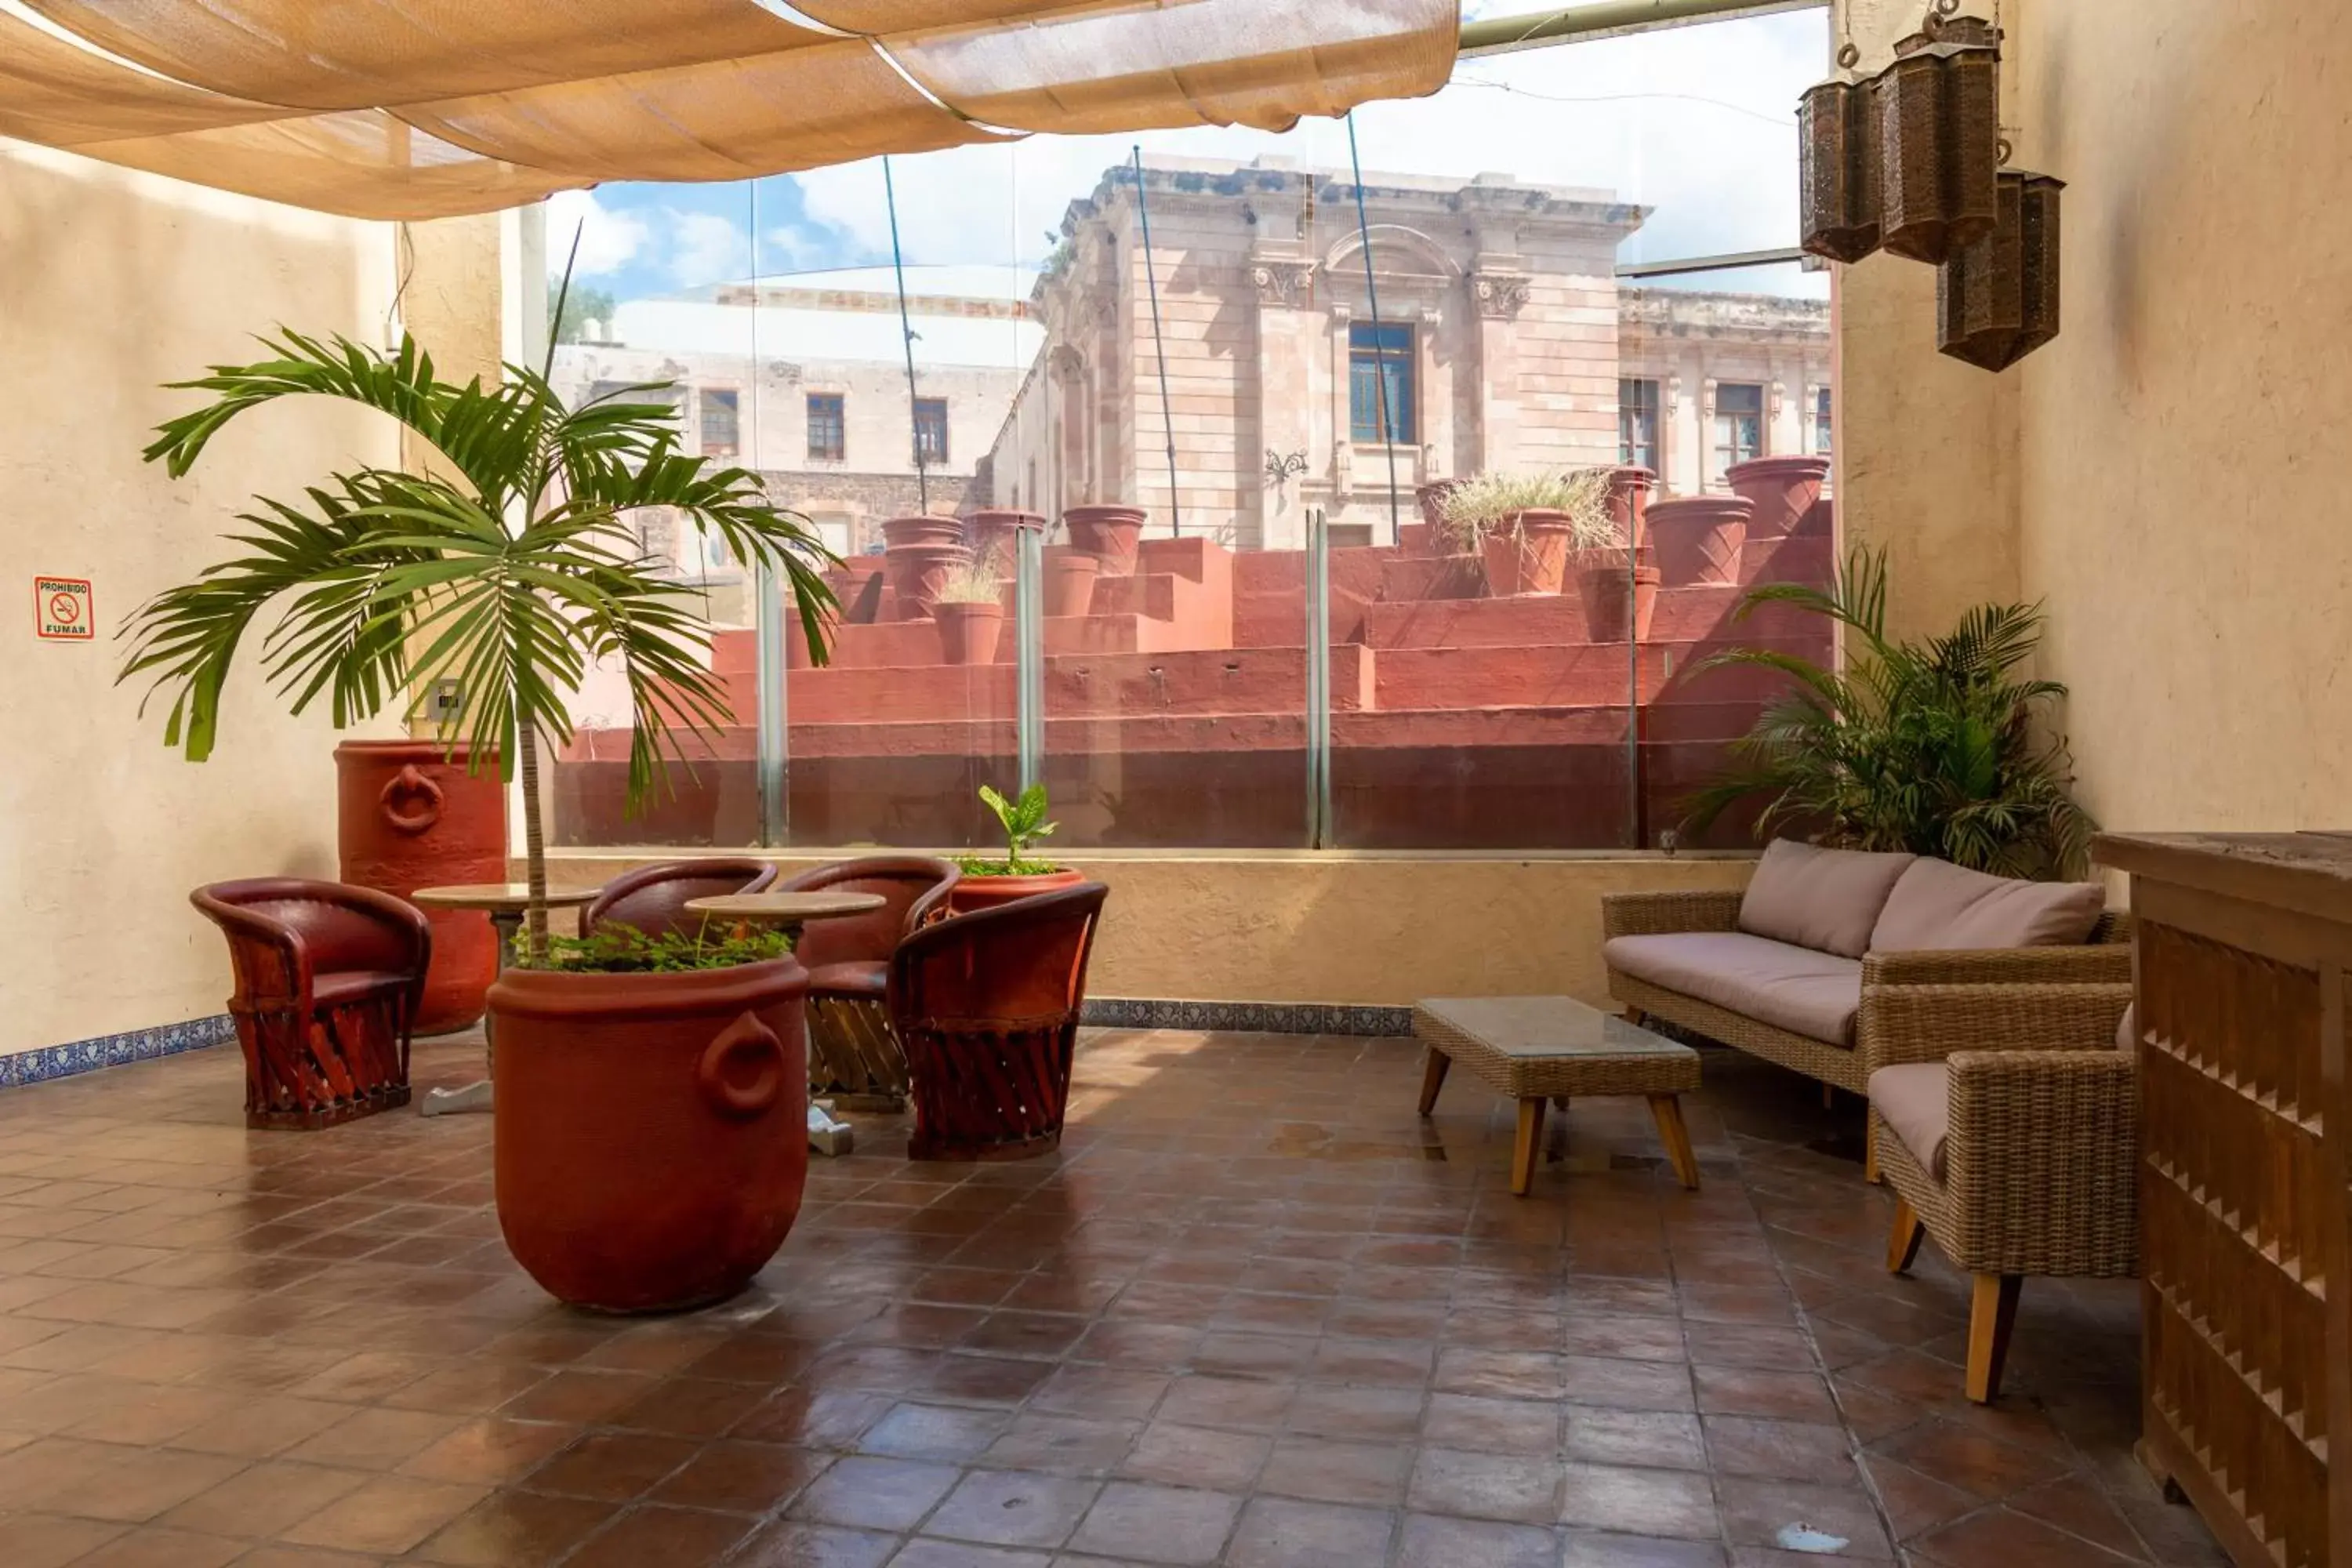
409, 109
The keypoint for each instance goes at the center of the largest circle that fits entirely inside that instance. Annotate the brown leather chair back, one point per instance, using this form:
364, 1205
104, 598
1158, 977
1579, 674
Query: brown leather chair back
653, 898
914, 887
285, 932
1022, 963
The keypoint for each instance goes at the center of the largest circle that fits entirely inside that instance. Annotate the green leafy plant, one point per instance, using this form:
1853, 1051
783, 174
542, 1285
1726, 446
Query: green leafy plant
1491, 503
508, 565
1023, 821
1933, 746
613, 948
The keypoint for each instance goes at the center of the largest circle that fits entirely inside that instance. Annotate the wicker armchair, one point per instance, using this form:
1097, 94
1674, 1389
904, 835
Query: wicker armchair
329, 978
853, 1057
987, 1006
2007, 1120
1879, 1027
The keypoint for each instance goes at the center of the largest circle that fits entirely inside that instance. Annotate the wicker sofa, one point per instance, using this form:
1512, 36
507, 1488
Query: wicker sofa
1836, 1005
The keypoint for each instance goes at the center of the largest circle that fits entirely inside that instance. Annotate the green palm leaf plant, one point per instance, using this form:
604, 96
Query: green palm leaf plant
1936, 746
510, 567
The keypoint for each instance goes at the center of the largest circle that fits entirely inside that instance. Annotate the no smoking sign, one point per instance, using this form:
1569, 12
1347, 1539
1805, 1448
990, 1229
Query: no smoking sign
61, 609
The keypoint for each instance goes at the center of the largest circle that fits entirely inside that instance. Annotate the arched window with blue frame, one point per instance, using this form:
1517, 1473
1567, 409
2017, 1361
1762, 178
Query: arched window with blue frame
1380, 354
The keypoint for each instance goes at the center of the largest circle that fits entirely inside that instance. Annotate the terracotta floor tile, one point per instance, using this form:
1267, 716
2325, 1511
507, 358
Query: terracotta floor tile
388, 1515
791, 1544
2001, 1538
1007, 1508
1674, 1503
1790, 1450
1061, 1445
611, 1466
1158, 1524
1196, 1456
1205, 1401
1597, 1549
45, 1540
514, 1529
1491, 1426
1340, 1410
928, 1554
490, 1449
1757, 1512
1432, 1542
1775, 1395
875, 1493
1277, 1533
264, 1500
741, 1478
1328, 1470
655, 1537
157, 1547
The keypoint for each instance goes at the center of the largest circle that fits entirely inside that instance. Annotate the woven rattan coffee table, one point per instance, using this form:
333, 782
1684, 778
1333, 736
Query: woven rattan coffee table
1547, 1049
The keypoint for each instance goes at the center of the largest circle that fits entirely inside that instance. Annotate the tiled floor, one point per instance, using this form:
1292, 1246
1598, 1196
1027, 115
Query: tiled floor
1255, 1313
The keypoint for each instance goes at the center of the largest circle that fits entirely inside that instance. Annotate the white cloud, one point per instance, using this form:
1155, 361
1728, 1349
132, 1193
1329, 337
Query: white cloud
609, 239
705, 247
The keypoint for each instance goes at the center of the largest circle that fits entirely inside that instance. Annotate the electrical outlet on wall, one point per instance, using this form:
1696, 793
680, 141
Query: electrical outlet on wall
443, 701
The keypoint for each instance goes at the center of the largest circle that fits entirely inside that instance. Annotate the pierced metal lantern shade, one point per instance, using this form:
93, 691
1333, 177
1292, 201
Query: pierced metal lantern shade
1997, 299
1940, 139
1837, 170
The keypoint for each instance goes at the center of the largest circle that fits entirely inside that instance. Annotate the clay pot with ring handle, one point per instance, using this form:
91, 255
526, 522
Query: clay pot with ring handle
410, 815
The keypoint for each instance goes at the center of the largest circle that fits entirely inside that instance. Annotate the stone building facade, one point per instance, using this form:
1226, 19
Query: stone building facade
1502, 339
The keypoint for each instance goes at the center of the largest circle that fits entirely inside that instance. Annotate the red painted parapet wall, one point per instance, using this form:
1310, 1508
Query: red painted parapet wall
1175, 712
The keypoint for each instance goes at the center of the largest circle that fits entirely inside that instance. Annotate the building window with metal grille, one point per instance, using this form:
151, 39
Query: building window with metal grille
721, 431
1637, 423
828, 435
930, 432
1739, 424
1379, 368
1821, 420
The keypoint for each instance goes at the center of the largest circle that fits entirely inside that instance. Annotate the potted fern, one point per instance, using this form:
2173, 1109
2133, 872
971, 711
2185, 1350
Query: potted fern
1524, 526
969, 611
1936, 746
648, 1145
989, 881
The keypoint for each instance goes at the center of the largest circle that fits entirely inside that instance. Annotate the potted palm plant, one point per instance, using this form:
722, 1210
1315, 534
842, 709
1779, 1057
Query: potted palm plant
1934, 746
989, 881
969, 611
648, 1145
1525, 525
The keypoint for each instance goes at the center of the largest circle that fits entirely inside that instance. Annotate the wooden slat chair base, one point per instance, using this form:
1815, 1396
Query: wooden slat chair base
855, 1058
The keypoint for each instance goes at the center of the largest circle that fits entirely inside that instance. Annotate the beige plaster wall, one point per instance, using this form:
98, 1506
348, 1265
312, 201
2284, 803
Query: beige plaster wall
2167, 473
110, 283
1359, 927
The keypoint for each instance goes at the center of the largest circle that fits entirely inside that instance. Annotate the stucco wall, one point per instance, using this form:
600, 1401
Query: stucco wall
110, 283
2167, 473
1352, 927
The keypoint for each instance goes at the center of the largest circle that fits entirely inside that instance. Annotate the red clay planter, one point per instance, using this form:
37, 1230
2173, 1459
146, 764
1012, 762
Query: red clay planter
996, 531
918, 573
1610, 600
968, 631
1698, 539
651, 1129
1629, 500
1783, 489
1114, 534
1530, 558
972, 892
1070, 582
407, 817
900, 530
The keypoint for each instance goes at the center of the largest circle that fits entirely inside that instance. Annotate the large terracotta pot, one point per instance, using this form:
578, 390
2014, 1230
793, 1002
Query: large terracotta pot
968, 632
922, 531
410, 817
1698, 539
986, 892
998, 532
1113, 533
916, 574
1602, 581
1783, 489
1070, 582
1529, 558
651, 1143
1630, 489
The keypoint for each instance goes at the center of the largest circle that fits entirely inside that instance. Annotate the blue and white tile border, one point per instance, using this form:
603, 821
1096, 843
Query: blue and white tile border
1256, 1017
113, 1050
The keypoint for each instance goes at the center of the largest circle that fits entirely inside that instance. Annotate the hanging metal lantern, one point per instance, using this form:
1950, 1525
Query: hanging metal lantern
1837, 170
1939, 138
1997, 299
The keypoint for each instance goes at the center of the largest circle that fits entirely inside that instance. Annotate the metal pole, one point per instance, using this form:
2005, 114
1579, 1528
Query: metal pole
1380, 350
1318, 681
1159, 349
914, 415
1029, 651
1611, 20
772, 756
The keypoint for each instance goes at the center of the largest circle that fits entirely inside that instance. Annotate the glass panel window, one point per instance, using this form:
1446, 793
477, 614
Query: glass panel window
1379, 362
1821, 420
720, 431
931, 431
827, 433
1637, 423
1739, 424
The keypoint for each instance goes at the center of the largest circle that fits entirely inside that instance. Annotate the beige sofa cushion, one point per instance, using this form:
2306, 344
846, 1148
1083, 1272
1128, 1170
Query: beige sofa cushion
1827, 900
1916, 1100
1794, 988
1936, 904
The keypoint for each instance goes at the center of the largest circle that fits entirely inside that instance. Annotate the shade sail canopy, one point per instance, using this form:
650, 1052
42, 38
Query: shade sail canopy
412, 108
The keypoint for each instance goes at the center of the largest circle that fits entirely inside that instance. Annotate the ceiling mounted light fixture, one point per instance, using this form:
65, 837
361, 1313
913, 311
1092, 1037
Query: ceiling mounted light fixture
1940, 136
1837, 167
1997, 297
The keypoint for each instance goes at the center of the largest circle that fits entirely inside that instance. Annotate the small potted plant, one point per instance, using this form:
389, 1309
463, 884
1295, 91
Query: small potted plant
989, 881
969, 611
1524, 525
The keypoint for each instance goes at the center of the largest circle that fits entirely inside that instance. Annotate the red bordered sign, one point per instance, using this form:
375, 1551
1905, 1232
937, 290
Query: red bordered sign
62, 609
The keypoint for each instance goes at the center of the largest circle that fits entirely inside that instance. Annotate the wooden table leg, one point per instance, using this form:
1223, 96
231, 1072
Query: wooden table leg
1530, 1144
1992, 1313
1667, 1109
1433, 1079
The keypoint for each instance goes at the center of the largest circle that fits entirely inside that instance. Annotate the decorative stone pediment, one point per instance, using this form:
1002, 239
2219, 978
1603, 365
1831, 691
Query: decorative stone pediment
1499, 294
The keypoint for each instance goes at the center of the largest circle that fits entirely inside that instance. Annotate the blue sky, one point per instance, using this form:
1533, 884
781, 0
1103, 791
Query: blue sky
1698, 122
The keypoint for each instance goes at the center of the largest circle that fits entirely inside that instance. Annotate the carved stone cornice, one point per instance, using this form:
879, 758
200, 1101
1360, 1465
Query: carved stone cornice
1501, 295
